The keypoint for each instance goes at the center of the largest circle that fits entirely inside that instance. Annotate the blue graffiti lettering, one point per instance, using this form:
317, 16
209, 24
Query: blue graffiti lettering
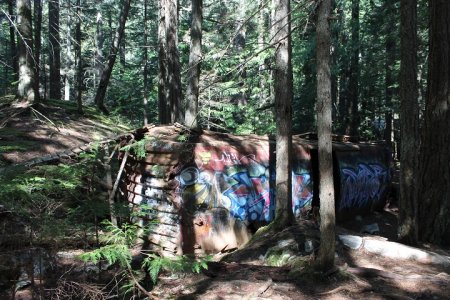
363, 186
301, 192
243, 189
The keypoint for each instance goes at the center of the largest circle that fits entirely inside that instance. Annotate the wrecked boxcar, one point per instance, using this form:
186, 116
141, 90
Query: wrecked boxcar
207, 189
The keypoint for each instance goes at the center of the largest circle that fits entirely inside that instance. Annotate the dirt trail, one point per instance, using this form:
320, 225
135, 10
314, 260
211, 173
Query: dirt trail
359, 274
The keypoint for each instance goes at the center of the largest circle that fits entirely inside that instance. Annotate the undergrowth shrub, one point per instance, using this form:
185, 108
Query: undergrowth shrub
117, 249
57, 201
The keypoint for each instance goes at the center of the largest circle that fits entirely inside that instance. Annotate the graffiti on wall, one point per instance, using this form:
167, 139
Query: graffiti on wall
363, 185
243, 184
302, 188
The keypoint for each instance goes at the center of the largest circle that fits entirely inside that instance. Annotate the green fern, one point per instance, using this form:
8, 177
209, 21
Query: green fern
138, 148
117, 249
182, 264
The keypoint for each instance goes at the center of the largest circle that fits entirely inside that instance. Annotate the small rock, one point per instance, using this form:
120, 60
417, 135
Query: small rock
309, 247
371, 228
352, 241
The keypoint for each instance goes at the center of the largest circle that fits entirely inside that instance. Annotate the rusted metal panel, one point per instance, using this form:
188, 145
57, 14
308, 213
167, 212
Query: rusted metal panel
211, 185
364, 178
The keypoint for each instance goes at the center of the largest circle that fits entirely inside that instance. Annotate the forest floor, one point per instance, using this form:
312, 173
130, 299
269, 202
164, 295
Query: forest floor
246, 273
359, 273
27, 133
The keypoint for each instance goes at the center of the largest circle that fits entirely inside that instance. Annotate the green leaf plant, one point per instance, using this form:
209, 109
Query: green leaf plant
118, 243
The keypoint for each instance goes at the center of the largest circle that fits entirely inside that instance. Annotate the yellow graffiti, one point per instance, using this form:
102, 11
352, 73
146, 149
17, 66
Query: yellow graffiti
205, 157
197, 191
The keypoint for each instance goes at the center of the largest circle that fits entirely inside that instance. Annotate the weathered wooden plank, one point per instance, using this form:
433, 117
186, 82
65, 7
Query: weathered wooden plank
152, 183
165, 159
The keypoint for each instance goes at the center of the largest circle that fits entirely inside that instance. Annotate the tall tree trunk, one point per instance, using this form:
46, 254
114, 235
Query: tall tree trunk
353, 85
163, 110
55, 49
262, 70
327, 211
281, 27
25, 89
145, 62
99, 40
409, 118
78, 59
434, 161
239, 98
68, 58
389, 69
37, 46
122, 53
195, 57
12, 40
106, 75
173, 63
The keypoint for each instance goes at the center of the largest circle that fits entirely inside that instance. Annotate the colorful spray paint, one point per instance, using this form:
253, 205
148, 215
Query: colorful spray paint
206, 191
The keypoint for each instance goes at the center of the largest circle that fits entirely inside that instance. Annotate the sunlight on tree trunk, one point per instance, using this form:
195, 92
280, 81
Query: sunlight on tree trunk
145, 63
37, 46
173, 63
195, 56
78, 59
25, 88
54, 49
283, 111
325, 260
163, 110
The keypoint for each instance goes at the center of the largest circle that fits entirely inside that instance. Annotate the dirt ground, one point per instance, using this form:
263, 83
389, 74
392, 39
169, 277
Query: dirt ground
28, 133
359, 274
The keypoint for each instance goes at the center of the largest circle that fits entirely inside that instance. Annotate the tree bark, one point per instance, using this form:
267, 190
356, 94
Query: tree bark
78, 59
283, 111
55, 49
106, 74
25, 90
409, 126
264, 98
68, 58
37, 46
325, 259
195, 57
163, 110
434, 160
353, 85
389, 69
99, 39
12, 41
173, 88
145, 62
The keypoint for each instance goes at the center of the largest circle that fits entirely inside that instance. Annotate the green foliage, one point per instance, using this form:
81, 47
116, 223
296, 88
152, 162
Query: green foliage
118, 242
181, 264
57, 201
182, 138
278, 259
40, 187
138, 148
17, 145
40, 196
114, 253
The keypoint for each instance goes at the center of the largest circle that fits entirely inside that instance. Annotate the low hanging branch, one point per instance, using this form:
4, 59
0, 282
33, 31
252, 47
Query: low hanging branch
116, 184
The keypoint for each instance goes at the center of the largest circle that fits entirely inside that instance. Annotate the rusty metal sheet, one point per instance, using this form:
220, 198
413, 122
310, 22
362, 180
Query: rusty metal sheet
364, 178
190, 184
